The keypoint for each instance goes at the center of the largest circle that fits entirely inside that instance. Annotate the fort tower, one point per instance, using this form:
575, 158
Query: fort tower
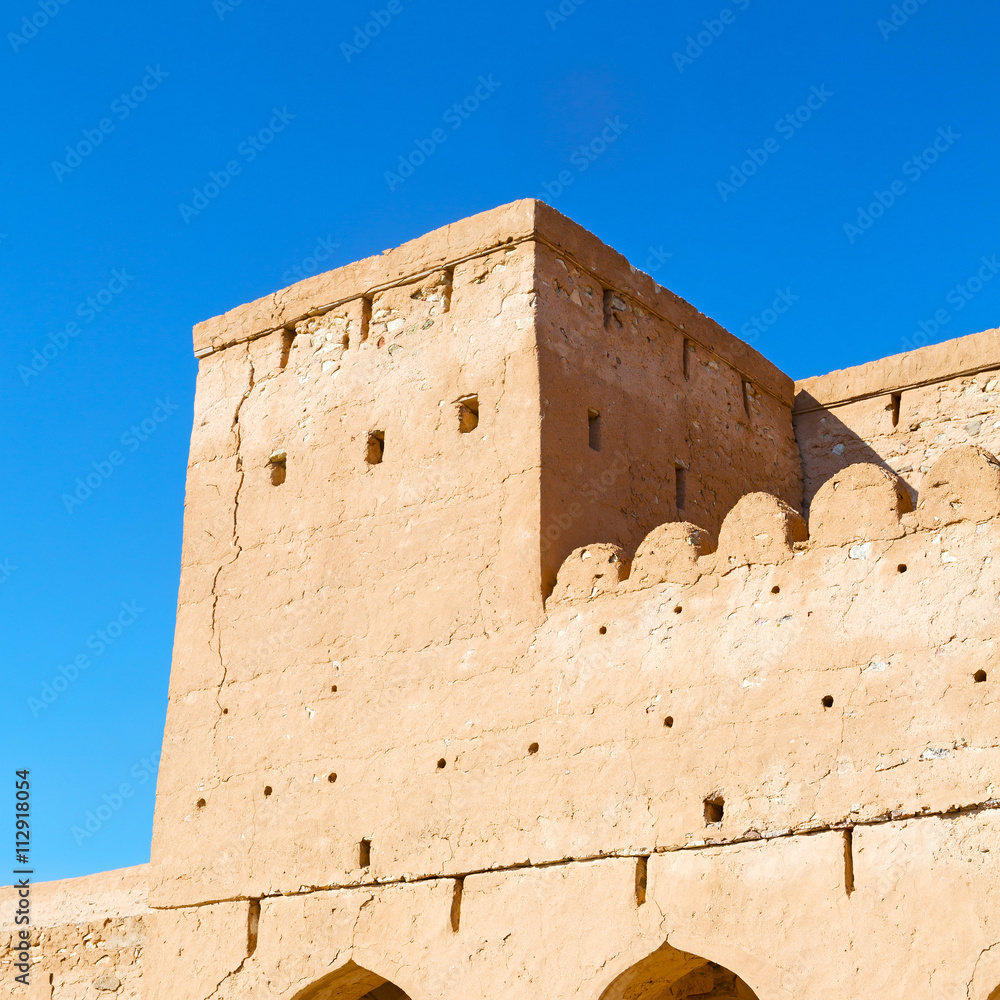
537, 637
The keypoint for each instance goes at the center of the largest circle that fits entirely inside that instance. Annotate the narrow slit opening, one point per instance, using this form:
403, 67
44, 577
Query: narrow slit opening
287, 339
641, 871
685, 363
594, 429
680, 486
897, 399
253, 925
849, 860
365, 854
746, 397
366, 318
456, 905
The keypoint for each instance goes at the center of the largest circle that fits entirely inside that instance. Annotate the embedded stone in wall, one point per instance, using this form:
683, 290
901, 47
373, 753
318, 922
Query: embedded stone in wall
589, 572
759, 530
861, 503
669, 554
962, 485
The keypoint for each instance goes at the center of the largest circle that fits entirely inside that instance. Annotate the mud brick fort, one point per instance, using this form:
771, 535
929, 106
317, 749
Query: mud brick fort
538, 638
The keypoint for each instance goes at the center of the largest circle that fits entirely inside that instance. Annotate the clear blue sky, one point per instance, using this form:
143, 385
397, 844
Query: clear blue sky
174, 92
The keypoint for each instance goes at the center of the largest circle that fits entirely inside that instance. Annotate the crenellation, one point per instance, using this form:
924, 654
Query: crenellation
534, 629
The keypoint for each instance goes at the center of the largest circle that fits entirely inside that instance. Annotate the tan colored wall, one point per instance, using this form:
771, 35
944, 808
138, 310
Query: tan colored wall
326, 623
88, 937
948, 395
393, 758
920, 922
618, 356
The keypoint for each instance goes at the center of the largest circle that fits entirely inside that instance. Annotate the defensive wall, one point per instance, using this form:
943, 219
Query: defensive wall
537, 636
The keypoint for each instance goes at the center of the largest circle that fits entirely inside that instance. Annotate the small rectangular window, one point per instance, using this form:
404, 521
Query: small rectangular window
365, 853
278, 464
681, 487
594, 428
468, 414
897, 400
746, 397
376, 447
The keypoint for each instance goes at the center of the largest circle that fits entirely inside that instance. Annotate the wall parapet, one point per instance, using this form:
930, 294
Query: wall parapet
519, 222
951, 359
861, 504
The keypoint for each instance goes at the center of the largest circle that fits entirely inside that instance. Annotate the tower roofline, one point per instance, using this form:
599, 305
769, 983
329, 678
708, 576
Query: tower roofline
517, 222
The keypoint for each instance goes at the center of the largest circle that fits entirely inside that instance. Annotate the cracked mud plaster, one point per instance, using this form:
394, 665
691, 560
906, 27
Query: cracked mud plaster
394, 677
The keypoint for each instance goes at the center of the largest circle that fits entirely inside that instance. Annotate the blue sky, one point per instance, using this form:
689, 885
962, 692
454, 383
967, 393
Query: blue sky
751, 153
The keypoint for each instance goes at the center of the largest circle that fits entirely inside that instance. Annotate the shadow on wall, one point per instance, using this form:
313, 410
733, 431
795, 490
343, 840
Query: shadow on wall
670, 974
352, 983
815, 426
666, 974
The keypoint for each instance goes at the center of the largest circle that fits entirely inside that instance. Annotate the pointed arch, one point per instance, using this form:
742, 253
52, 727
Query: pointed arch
671, 974
351, 982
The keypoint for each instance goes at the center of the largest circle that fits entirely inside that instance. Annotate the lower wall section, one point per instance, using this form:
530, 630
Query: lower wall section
87, 938
898, 911
901, 911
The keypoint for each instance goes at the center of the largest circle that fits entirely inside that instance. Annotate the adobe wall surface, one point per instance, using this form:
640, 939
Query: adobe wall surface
919, 922
945, 395
494, 707
671, 410
88, 937
338, 616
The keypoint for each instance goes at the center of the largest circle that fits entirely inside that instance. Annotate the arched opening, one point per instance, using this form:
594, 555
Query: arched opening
352, 983
671, 974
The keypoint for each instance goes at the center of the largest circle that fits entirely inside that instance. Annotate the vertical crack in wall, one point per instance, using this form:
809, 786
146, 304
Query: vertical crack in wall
235, 543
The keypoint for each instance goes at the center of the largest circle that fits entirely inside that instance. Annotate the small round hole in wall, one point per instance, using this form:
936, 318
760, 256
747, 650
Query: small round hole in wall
901, 568
442, 763
267, 791
225, 711
828, 701
331, 777
334, 688
776, 590
603, 630
669, 722
979, 676
678, 610
200, 803
533, 748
